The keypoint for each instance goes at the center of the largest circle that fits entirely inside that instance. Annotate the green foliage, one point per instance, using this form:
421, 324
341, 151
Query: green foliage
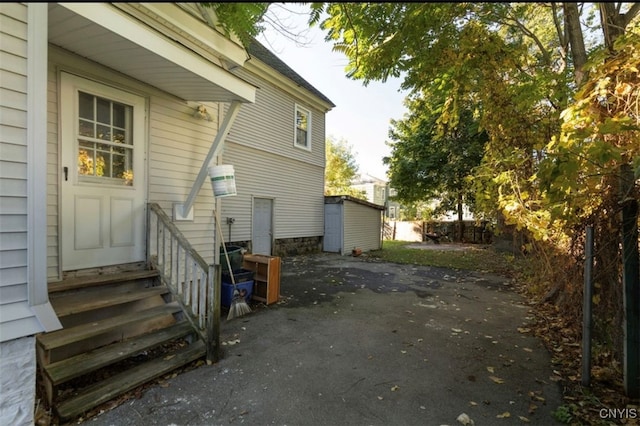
490, 58
600, 132
244, 20
340, 169
564, 413
433, 156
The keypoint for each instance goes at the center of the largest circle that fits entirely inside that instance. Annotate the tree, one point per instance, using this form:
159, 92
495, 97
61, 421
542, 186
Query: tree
431, 160
561, 125
340, 169
243, 20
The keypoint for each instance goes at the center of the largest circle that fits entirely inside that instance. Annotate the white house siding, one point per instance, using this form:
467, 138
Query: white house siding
18, 323
16, 317
14, 305
362, 227
268, 125
177, 146
261, 147
295, 186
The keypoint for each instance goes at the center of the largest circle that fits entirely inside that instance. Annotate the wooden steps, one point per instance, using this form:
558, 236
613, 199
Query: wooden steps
70, 368
108, 389
119, 331
70, 303
96, 280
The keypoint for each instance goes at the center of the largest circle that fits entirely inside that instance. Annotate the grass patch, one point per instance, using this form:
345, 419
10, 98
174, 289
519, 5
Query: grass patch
472, 258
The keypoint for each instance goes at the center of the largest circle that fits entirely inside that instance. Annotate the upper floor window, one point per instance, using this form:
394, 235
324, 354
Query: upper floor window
303, 128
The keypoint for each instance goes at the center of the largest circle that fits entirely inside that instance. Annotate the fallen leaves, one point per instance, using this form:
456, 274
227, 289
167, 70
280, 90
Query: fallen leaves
504, 415
465, 420
496, 380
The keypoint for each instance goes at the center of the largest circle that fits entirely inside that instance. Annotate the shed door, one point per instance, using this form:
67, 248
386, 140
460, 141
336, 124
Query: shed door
262, 226
102, 186
333, 228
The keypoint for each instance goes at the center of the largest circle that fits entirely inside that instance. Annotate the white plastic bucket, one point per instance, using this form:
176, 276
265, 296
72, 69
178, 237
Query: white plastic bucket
223, 180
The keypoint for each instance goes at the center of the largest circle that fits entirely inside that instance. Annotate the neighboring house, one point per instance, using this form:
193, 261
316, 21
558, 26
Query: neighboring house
395, 208
375, 190
108, 109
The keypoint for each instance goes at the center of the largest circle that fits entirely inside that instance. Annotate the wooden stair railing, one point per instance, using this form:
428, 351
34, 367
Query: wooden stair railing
187, 275
124, 328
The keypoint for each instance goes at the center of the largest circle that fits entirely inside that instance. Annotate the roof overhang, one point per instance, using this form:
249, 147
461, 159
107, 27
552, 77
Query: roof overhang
107, 35
271, 75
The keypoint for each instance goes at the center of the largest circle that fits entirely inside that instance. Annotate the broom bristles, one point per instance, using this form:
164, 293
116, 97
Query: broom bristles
239, 306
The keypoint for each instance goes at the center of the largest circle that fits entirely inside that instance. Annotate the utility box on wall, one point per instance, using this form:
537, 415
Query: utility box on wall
351, 223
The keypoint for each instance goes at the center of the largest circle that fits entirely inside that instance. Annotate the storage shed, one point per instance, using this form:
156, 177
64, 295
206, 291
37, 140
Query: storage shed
351, 223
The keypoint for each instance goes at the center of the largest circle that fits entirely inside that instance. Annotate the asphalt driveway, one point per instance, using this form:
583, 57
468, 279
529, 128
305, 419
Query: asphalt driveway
359, 342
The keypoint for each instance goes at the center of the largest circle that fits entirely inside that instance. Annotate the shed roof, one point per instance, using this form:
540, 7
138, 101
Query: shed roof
337, 199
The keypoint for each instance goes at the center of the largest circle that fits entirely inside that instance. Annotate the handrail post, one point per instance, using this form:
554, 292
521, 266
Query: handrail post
213, 314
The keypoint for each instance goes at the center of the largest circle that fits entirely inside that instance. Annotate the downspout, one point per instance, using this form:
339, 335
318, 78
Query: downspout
183, 211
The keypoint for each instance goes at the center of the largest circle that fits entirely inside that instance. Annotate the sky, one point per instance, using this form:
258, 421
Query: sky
362, 114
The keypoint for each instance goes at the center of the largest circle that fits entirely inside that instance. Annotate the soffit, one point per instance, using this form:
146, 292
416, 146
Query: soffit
109, 36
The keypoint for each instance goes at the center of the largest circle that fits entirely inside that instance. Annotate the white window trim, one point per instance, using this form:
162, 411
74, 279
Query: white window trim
295, 127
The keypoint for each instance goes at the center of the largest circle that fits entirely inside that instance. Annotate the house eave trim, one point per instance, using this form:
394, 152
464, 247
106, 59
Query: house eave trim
274, 77
138, 33
171, 20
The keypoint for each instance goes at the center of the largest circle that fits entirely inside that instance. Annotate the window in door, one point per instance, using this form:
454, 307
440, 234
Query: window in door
105, 145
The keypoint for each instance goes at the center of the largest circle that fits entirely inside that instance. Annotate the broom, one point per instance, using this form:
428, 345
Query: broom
239, 306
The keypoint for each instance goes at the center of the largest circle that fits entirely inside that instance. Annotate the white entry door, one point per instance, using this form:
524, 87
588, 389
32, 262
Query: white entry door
262, 226
102, 186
